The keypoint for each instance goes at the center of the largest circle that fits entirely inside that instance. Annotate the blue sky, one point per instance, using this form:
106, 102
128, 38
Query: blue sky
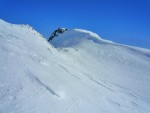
122, 21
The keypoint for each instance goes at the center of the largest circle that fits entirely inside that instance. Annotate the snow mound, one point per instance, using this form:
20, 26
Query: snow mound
76, 37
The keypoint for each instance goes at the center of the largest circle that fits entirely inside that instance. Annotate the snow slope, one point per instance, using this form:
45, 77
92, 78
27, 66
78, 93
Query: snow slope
75, 37
78, 73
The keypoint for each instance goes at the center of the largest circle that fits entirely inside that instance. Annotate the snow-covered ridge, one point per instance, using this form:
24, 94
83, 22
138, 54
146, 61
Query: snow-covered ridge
88, 32
6, 26
85, 74
75, 37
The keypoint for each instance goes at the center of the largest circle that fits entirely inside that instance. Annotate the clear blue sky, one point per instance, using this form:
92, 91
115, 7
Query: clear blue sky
122, 21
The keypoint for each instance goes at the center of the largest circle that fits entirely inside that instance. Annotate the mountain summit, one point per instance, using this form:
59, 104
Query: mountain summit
76, 72
73, 37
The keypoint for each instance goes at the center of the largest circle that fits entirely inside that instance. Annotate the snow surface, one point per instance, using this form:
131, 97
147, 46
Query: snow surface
78, 73
75, 37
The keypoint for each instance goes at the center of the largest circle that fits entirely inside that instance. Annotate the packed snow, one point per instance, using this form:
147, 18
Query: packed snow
77, 72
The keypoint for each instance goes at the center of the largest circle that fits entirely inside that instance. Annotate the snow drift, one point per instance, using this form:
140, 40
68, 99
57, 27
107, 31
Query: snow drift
75, 37
77, 73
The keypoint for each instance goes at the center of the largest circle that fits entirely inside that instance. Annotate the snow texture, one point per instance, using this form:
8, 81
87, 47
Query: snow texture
77, 73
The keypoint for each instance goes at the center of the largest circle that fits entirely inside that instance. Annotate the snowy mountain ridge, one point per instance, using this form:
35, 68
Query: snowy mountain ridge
73, 37
77, 72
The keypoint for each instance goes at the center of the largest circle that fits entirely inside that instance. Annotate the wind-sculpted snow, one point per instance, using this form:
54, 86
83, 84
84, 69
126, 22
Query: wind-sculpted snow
75, 37
83, 74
